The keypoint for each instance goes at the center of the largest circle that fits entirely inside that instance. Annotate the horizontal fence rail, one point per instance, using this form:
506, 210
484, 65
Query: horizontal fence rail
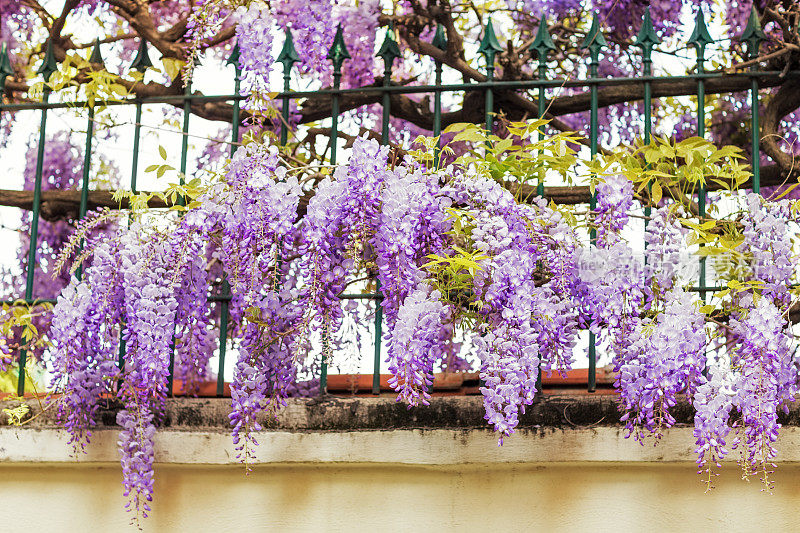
597, 95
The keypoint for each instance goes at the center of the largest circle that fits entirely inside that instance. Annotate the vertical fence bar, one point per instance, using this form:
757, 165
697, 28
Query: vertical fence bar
96, 59
389, 51
5, 70
181, 200
224, 315
700, 38
594, 42
440, 42
489, 46
187, 112
137, 133
337, 54
753, 36
542, 45
46, 70
141, 63
646, 40
288, 57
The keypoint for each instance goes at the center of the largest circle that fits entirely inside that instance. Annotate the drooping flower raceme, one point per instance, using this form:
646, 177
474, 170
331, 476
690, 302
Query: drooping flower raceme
757, 381
609, 279
83, 347
254, 34
413, 223
195, 335
614, 200
312, 31
713, 402
256, 213
665, 357
768, 240
767, 382
664, 251
417, 336
150, 271
521, 324
340, 223
610, 289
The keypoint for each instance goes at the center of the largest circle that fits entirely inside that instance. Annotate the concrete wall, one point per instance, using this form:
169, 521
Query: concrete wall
350, 497
372, 465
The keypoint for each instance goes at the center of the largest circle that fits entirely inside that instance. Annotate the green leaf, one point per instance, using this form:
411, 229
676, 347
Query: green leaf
787, 191
503, 145
172, 67
457, 126
473, 135
656, 192
163, 152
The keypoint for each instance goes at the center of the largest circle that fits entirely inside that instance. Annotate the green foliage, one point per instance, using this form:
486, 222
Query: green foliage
17, 415
679, 169
76, 79
19, 317
18, 321
188, 190
523, 156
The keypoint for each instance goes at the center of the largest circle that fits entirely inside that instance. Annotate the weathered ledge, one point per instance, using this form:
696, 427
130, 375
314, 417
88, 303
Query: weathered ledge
342, 414
451, 431
365, 413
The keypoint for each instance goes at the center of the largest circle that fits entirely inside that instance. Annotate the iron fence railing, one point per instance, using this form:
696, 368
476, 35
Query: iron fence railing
489, 47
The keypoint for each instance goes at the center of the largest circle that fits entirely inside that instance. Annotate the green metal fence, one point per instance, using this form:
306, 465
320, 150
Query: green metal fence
389, 51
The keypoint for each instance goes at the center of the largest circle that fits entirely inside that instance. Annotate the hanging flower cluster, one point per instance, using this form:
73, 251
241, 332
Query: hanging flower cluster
664, 357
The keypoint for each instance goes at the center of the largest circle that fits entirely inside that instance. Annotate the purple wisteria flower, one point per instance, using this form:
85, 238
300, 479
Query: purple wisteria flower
254, 32
768, 241
664, 252
665, 357
417, 336
614, 200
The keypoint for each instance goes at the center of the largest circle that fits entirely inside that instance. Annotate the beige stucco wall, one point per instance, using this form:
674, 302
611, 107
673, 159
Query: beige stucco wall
375, 497
373, 465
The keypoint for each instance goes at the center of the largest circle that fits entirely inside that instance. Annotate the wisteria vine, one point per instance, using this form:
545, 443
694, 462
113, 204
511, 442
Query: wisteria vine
455, 253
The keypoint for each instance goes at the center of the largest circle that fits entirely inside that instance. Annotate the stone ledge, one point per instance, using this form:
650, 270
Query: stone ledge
450, 431
404, 446
365, 413
333, 413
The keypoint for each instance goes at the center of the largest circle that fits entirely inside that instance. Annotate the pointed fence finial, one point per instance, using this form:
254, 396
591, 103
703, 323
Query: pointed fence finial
97, 58
233, 59
142, 60
700, 37
440, 38
49, 64
338, 52
5, 68
594, 40
489, 45
753, 35
647, 36
542, 44
288, 55
389, 51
